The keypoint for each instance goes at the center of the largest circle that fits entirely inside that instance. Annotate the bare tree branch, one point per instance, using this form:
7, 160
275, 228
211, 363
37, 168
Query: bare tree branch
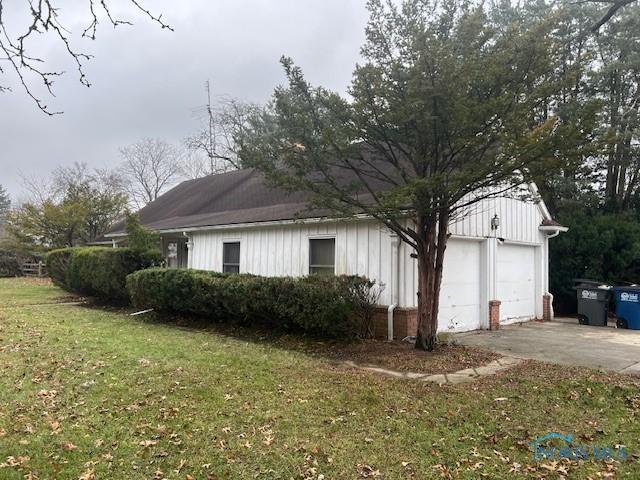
44, 20
613, 9
150, 166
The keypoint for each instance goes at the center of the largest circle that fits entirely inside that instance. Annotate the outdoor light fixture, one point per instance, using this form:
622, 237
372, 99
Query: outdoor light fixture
495, 222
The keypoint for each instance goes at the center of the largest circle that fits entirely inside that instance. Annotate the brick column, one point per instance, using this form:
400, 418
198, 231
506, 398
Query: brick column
494, 314
547, 314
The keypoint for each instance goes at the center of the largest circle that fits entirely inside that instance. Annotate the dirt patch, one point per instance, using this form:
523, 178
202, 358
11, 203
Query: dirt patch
404, 357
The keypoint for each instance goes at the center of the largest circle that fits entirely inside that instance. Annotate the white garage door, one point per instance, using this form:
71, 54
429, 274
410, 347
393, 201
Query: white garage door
516, 284
460, 291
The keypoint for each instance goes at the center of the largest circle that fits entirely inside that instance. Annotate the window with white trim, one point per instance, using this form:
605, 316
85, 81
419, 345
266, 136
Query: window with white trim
231, 257
322, 256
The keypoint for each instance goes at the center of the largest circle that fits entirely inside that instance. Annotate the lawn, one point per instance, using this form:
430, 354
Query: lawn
94, 393
29, 291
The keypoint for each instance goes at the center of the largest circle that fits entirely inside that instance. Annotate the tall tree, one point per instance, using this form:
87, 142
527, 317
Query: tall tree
566, 173
224, 123
149, 167
20, 25
439, 119
5, 204
617, 82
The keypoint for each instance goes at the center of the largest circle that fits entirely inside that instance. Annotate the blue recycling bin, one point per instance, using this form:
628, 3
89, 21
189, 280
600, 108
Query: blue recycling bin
627, 307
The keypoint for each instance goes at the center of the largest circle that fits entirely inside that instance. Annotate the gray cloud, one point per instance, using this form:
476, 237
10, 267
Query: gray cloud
148, 82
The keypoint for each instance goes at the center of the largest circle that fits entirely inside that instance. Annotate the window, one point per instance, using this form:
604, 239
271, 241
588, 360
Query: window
322, 256
231, 257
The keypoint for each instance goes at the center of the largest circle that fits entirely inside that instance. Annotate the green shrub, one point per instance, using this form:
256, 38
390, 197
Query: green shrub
58, 264
98, 271
327, 306
9, 264
602, 247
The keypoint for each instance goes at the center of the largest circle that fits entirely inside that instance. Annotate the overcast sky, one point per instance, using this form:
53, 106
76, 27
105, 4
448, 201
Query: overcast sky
147, 82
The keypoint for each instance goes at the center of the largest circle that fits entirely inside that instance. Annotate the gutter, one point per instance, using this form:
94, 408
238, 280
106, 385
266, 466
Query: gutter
553, 230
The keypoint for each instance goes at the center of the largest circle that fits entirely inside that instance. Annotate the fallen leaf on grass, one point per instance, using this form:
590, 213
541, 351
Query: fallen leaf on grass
148, 443
88, 475
14, 462
367, 471
68, 446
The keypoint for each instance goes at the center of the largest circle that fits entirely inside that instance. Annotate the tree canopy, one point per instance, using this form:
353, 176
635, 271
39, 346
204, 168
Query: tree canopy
443, 112
77, 208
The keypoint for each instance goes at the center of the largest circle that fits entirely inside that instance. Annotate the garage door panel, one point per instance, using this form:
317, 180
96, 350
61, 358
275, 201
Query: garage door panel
516, 282
460, 290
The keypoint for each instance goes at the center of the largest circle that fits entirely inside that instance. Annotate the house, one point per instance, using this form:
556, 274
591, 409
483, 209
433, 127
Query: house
235, 222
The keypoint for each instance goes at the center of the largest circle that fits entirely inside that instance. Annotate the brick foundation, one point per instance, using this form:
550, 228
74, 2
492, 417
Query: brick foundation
405, 322
547, 313
494, 314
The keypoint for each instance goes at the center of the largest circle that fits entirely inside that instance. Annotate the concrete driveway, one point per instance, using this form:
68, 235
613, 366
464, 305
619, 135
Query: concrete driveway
563, 343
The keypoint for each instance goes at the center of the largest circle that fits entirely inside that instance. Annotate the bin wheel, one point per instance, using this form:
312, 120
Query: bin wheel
583, 320
622, 323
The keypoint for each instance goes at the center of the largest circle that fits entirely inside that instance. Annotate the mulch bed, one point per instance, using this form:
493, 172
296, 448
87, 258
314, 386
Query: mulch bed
446, 358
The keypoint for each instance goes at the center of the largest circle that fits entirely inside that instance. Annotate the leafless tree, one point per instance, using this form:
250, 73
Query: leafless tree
39, 189
43, 19
194, 165
217, 139
150, 166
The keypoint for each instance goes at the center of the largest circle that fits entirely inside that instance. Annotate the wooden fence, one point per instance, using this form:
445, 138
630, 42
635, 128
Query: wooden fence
34, 269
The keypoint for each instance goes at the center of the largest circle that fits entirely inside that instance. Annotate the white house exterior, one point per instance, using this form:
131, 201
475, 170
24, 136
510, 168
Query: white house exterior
482, 263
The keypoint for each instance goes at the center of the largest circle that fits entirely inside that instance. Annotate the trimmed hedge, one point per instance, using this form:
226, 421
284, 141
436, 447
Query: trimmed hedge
327, 306
57, 266
98, 271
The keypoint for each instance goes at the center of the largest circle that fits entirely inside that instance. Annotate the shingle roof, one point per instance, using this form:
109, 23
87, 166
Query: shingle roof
236, 197
240, 196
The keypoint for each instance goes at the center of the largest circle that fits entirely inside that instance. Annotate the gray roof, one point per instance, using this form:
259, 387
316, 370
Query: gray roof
236, 197
240, 196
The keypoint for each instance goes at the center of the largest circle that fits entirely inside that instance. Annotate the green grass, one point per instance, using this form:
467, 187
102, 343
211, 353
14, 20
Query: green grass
25, 291
96, 393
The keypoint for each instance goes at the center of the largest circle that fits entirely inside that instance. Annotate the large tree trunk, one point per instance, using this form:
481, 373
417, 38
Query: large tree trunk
430, 266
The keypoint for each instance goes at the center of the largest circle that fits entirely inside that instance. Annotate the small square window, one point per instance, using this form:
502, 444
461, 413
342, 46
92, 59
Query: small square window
322, 256
231, 257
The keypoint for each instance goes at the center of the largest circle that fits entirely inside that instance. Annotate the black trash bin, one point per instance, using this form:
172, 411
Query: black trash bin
593, 302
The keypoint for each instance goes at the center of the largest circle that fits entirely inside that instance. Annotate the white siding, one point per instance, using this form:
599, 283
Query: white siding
519, 220
364, 247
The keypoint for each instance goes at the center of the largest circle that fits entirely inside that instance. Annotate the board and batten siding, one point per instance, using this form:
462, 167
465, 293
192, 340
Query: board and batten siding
362, 247
365, 247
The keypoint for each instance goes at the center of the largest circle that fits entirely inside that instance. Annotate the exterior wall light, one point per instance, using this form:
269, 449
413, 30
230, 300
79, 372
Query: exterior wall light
495, 222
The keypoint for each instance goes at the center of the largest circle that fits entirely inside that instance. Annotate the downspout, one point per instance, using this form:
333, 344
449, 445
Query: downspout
395, 287
538, 199
554, 233
189, 245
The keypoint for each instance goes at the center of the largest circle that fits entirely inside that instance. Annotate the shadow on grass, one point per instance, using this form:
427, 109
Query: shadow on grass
396, 355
